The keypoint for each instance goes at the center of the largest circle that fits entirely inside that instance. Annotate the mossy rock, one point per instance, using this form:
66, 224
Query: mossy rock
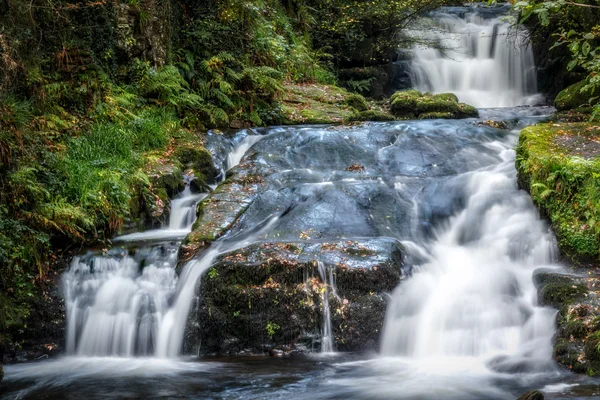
357, 102
591, 347
572, 97
558, 294
576, 329
414, 104
372, 115
571, 148
200, 160
436, 115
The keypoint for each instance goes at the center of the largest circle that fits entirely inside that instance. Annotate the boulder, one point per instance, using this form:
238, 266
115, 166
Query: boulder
411, 104
572, 97
271, 295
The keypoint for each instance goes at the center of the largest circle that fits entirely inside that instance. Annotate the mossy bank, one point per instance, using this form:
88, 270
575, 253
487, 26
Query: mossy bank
559, 164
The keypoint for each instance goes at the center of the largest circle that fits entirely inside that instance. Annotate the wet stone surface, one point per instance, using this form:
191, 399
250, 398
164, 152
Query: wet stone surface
332, 191
576, 296
270, 294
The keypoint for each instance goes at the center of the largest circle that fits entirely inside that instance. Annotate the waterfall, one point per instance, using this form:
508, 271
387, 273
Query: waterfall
128, 301
329, 288
117, 301
473, 297
475, 55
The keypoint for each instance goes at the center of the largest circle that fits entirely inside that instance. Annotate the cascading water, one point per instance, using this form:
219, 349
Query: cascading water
120, 303
116, 302
477, 56
329, 286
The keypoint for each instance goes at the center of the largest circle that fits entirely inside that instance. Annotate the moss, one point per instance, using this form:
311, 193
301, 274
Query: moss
446, 97
557, 294
357, 102
556, 165
591, 347
199, 159
576, 329
572, 97
436, 115
372, 115
412, 103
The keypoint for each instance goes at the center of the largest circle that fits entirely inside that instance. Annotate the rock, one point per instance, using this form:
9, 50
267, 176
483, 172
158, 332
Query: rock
200, 160
357, 102
532, 395
270, 295
578, 335
411, 104
572, 97
494, 124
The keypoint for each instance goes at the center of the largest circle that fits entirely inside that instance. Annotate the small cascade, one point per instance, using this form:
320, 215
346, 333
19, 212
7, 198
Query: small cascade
183, 210
234, 157
118, 300
129, 301
475, 55
329, 285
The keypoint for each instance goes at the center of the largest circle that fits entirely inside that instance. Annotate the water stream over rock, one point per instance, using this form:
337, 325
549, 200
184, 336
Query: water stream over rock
432, 205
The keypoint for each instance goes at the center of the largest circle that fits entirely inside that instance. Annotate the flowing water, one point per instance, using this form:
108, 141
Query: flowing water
464, 323
477, 56
329, 288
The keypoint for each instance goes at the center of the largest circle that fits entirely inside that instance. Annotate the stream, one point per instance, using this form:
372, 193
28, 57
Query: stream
463, 324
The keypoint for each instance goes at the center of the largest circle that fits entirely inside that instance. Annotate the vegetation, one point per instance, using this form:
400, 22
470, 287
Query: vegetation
575, 26
559, 164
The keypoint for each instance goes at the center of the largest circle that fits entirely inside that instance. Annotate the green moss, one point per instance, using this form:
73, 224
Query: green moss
372, 115
558, 294
412, 103
446, 97
576, 328
199, 159
357, 102
564, 183
572, 97
436, 115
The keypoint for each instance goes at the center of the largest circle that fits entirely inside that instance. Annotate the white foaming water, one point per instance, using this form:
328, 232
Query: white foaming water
484, 61
117, 302
329, 284
236, 155
473, 304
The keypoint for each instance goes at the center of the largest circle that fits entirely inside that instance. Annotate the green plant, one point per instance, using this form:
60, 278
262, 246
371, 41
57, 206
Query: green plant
272, 329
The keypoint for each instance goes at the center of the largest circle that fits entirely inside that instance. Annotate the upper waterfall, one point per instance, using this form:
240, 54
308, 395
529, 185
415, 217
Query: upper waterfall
477, 56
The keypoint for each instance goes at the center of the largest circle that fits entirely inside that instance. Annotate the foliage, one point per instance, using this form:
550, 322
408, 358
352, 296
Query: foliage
576, 27
359, 33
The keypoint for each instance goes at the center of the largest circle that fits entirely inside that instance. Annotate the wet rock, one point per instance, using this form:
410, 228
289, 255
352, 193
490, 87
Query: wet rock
43, 334
271, 294
532, 395
577, 339
411, 104
357, 102
572, 97
221, 209
494, 124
